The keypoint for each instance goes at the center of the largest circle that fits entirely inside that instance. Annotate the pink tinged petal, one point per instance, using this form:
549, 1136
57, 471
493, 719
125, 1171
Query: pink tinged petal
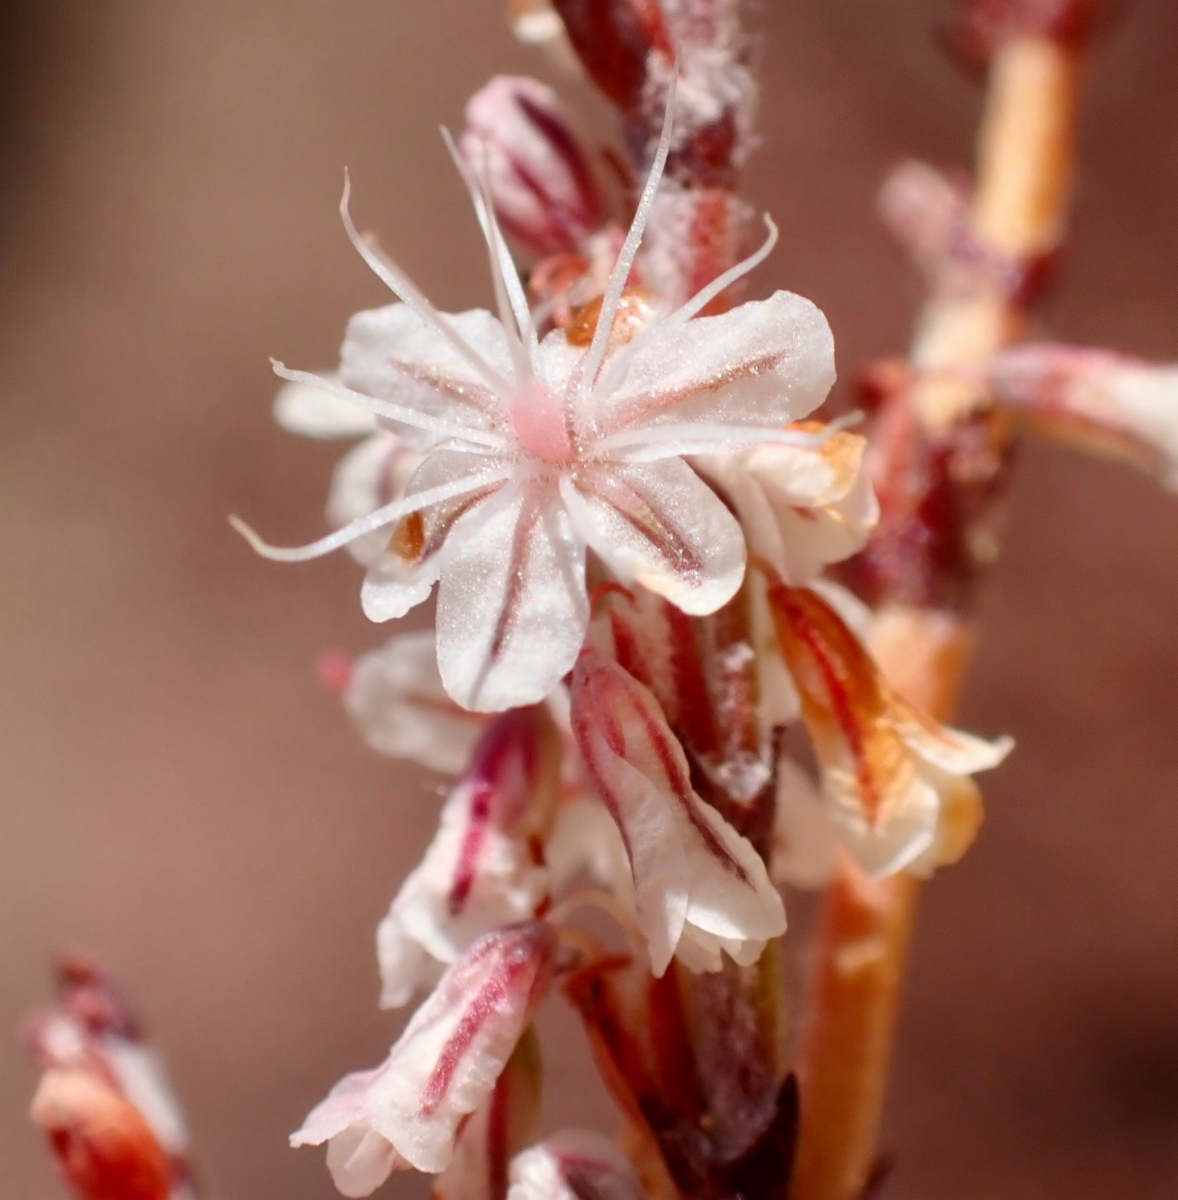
766, 363
391, 354
585, 838
574, 1164
805, 847
512, 606
316, 412
396, 698
695, 878
405, 964
660, 525
369, 476
1109, 403
446, 1063
359, 1158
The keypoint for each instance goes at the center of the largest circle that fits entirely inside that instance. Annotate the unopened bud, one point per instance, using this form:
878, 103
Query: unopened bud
539, 177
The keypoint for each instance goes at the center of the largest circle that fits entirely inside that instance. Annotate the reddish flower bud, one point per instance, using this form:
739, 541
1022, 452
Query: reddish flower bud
100, 1140
613, 39
541, 184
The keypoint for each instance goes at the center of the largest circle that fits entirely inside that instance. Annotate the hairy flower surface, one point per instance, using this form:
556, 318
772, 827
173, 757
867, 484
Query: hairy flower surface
700, 887
408, 1112
574, 1164
897, 784
484, 867
535, 450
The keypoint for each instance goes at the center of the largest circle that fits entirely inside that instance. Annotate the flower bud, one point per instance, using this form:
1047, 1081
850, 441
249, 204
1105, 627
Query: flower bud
409, 1111
539, 176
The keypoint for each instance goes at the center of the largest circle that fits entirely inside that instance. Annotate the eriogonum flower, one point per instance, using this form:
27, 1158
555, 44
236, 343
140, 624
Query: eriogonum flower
1110, 403
539, 179
484, 867
700, 887
574, 1164
408, 1111
535, 451
896, 783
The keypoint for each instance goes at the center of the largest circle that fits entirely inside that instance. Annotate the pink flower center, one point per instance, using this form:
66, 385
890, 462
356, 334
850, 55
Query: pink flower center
537, 420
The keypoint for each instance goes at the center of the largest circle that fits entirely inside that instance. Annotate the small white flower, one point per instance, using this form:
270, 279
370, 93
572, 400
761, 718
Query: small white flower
535, 451
409, 1111
574, 1164
700, 887
482, 869
895, 783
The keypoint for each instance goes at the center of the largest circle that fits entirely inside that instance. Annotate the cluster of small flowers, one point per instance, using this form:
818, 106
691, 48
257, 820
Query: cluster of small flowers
568, 692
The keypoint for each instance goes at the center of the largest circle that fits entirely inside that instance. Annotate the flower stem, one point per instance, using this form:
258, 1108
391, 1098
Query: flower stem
1023, 184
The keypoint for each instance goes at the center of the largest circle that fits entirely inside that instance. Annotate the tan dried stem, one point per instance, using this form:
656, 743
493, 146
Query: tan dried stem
1024, 169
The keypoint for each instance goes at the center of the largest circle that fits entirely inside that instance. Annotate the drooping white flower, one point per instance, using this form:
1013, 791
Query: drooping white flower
484, 867
1111, 403
700, 887
409, 1111
535, 451
574, 1164
896, 784
395, 696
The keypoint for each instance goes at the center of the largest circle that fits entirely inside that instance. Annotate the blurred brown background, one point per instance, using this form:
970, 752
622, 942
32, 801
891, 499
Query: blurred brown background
181, 797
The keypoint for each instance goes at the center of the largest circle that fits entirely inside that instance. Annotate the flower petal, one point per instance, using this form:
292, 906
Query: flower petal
390, 353
951, 750
395, 696
660, 525
768, 362
317, 413
512, 606
693, 874
805, 849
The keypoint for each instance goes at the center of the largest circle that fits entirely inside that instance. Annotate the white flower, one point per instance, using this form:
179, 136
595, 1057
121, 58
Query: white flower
408, 1112
800, 507
395, 696
574, 1164
700, 887
896, 784
481, 871
535, 451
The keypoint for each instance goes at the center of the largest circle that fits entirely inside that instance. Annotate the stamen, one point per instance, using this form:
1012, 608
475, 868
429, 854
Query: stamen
375, 520
395, 412
615, 373
406, 290
621, 271
497, 244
